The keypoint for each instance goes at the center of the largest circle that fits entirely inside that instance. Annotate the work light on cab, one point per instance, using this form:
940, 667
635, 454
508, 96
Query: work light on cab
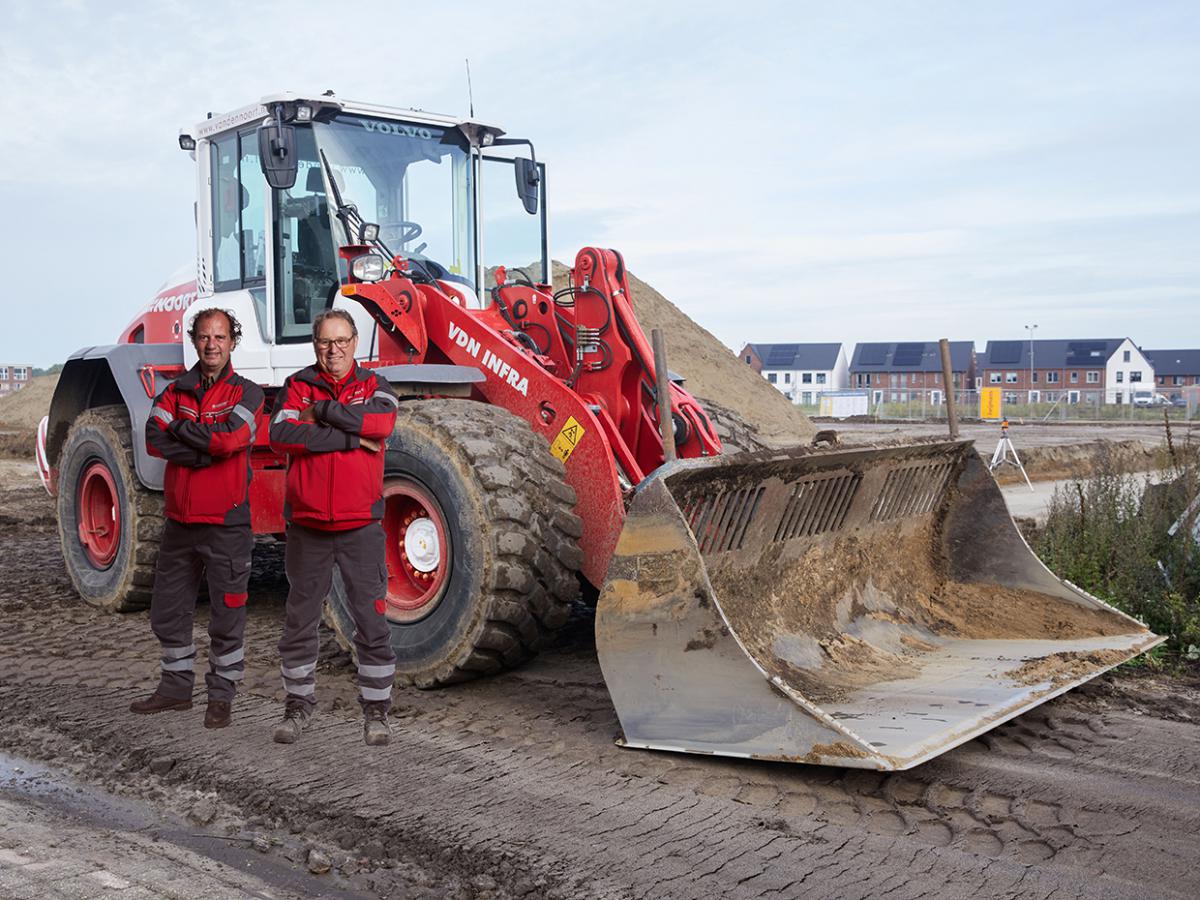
368, 267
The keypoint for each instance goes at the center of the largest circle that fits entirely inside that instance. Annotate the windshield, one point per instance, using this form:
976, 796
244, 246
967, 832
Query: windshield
414, 181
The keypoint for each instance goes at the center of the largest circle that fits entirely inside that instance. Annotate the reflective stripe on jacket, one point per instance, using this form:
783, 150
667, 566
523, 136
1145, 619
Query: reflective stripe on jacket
333, 483
205, 436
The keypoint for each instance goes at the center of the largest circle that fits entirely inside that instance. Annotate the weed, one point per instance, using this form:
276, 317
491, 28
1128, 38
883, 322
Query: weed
1111, 533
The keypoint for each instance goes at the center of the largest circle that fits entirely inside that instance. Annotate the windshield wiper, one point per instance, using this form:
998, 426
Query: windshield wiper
352, 222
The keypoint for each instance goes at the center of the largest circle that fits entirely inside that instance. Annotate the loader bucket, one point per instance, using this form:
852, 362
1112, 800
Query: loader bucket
868, 607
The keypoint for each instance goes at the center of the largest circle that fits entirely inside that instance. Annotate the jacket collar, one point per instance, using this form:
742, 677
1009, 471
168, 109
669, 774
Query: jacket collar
312, 375
190, 380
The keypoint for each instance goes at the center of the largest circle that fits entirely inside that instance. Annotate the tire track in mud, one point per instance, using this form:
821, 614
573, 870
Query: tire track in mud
1048, 801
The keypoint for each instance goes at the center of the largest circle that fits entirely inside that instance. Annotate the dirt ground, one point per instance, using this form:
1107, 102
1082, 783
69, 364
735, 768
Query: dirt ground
512, 786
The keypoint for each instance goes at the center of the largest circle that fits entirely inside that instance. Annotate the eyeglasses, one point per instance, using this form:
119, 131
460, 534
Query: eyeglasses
326, 343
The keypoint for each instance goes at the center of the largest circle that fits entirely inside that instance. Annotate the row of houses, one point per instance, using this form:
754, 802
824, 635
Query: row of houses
13, 378
1110, 370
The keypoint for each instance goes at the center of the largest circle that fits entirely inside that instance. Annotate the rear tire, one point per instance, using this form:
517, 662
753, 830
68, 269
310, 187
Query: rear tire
109, 525
488, 572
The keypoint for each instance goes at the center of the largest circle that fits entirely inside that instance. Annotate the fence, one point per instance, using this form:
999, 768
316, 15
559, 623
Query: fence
928, 405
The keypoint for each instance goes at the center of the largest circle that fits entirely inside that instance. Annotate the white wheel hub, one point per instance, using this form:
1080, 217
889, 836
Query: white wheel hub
422, 546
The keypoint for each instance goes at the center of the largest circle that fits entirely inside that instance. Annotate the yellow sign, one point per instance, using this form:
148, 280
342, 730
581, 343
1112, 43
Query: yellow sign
568, 439
989, 403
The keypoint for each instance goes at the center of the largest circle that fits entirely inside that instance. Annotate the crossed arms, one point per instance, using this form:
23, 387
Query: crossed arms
172, 436
299, 427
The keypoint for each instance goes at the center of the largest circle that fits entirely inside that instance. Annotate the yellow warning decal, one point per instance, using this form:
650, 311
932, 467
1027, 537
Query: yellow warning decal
568, 439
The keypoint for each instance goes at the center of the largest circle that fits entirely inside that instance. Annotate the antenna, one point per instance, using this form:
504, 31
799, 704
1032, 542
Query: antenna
470, 95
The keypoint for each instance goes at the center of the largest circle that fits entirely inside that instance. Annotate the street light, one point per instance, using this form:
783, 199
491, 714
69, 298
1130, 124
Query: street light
1031, 329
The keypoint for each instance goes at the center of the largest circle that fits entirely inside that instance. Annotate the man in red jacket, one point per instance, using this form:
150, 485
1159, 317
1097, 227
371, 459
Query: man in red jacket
332, 419
203, 424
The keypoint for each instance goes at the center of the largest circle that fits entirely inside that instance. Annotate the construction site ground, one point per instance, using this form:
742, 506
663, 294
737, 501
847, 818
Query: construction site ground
512, 786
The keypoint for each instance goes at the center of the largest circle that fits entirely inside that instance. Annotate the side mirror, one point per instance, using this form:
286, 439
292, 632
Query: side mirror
528, 179
277, 154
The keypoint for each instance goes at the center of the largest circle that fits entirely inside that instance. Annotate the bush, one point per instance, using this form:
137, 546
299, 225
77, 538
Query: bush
1110, 535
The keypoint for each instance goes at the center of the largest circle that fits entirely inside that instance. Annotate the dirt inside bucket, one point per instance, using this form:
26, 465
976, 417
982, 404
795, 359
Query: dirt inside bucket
858, 608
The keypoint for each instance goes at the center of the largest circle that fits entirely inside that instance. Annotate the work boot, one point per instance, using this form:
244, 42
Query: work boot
157, 703
295, 719
217, 714
376, 730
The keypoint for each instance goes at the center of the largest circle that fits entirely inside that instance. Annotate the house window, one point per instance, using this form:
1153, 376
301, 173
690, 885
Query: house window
1120, 398
771, 377
1051, 396
1051, 378
1033, 377
1120, 378
806, 398
1135, 376
1010, 377
747, 359
3, 373
20, 373
1010, 396
820, 378
806, 378
1093, 377
787, 377
895, 380
1177, 379
1125, 356
994, 378
1074, 378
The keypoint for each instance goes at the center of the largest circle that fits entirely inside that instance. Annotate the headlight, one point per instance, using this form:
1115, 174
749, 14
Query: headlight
368, 267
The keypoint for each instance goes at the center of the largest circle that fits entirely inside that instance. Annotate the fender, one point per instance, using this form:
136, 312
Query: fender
104, 376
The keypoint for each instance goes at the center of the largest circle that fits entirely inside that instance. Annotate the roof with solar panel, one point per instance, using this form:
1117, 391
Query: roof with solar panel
910, 356
1090, 353
1174, 362
813, 357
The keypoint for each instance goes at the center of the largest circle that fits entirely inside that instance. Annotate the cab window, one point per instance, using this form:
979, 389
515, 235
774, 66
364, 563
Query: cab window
306, 266
238, 217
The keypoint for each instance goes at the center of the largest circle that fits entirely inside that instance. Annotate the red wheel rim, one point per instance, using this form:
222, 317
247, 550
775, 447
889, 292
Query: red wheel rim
418, 550
99, 515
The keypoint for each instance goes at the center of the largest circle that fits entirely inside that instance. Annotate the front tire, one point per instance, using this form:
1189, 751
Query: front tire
109, 525
482, 543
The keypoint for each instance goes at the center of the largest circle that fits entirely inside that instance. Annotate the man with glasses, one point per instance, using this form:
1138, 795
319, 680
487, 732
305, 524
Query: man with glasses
203, 424
331, 419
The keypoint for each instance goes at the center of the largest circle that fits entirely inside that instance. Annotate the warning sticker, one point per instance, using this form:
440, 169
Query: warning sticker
570, 436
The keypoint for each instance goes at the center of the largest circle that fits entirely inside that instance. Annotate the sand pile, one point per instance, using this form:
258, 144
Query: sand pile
23, 409
1060, 461
855, 609
714, 374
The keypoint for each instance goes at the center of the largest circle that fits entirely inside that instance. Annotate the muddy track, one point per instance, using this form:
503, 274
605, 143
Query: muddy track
1094, 794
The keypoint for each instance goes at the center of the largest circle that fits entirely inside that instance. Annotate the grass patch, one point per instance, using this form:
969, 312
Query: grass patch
1110, 533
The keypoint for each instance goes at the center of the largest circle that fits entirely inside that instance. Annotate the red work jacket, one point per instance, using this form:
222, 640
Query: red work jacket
205, 437
333, 483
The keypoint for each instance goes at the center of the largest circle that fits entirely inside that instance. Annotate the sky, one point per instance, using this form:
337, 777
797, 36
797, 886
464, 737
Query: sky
783, 172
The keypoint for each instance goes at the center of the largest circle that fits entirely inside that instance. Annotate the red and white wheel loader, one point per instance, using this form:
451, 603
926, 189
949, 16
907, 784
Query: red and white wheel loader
861, 606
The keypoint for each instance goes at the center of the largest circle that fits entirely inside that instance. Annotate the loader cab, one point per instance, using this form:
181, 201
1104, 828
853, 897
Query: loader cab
441, 199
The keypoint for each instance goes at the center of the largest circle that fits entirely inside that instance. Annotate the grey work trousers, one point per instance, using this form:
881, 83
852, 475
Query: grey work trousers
185, 553
359, 555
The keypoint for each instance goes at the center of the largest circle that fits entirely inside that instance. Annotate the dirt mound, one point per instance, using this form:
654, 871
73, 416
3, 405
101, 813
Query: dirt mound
830, 628
1053, 463
23, 409
715, 376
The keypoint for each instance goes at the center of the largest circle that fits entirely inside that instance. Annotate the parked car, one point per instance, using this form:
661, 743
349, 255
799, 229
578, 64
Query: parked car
1149, 398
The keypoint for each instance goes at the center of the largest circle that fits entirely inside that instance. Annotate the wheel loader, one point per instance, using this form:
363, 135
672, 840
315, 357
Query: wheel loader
865, 606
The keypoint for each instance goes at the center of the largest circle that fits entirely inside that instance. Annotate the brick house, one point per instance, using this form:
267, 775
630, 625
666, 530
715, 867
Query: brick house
1103, 370
13, 378
904, 371
1174, 370
801, 371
